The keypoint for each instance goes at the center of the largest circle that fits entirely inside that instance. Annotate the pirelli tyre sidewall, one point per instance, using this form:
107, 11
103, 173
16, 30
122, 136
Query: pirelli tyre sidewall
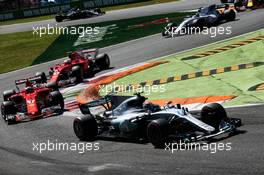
85, 127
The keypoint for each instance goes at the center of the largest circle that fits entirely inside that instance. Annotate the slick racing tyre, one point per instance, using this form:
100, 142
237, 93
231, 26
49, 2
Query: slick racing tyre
85, 128
8, 93
57, 99
59, 18
77, 72
102, 61
52, 85
230, 16
213, 114
8, 108
43, 77
157, 132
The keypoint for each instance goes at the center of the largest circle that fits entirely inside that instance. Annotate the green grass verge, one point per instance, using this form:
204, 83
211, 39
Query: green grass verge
110, 8
23, 49
19, 50
114, 32
25, 20
232, 83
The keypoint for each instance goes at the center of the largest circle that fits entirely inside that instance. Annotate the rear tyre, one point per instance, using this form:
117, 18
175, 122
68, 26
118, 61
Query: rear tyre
231, 16
57, 99
42, 76
213, 114
53, 85
77, 72
85, 128
8, 93
103, 61
157, 132
59, 18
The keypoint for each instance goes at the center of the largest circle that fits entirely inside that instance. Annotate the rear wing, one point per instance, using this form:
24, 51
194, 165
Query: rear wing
108, 102
30, 79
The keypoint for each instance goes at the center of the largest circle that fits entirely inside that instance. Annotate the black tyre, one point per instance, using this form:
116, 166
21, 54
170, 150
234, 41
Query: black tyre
103, 61
77, 72
8, 93
57, 99
213, 114
8, 108
85, 128
230, 16
84, 109
157, 132
52, 85
42, 76
59, 18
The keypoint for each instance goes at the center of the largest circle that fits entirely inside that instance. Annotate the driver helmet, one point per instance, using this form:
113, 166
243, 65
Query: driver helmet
69, 54
151, 107
29, 90
28, 83
68, 61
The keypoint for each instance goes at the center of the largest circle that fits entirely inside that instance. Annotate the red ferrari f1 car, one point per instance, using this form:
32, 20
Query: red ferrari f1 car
80, 64
36, 100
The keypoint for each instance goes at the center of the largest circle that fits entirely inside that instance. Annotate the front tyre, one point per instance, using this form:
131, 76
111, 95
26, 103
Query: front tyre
157, 132
77, 72
85, 128
213, 114
8, 108
57, 99
230, 16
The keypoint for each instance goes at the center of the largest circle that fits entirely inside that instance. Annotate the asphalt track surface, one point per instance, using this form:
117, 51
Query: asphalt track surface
118, 157
114, 15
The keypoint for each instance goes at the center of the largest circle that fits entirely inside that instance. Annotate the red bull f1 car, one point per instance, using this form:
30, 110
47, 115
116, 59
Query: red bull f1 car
133, 118
80, 64
36, 100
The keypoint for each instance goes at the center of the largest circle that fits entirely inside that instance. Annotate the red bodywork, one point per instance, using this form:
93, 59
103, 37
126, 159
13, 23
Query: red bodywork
33, 101
30, 103
81, 58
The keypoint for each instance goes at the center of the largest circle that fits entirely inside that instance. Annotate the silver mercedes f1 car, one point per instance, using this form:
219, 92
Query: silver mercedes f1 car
133, 118
205, 17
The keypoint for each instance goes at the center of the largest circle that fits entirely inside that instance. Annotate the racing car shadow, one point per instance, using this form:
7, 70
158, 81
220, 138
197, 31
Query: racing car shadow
123, 140
38, 118
93, 74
